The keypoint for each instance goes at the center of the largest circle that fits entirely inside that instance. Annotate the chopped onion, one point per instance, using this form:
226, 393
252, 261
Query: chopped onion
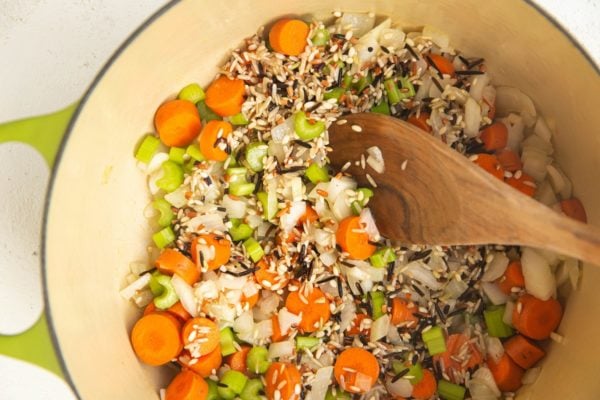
375, 159
417, 271
341, 209
320, 384
539, 280
454, 289
437, 36
496, 267
283, 132
510, 99
393, 336
358, 23
244, 323
186, 295
233, 296
368, 44
545, 194
535, 163
267, 304
225, 313
207, 289
290, 219
276, 150
514, 125
400, 388
281, 349
227, 281
129, 291
423, 90
494, 348
480, 390
494, 293
177, 197
472, 117
250, 288
254, 221
156, 162
455, 94
287, 319
348, 315
392, 38
143, 297
485, 375
363, 382
488, 95
263, 329
211, 222
297, 188
338, 186
366, 218
542, 129
329, 258
538, 143
559, 181
235, 208
508, 312
152, 179
478, 83
380, 327
568, 271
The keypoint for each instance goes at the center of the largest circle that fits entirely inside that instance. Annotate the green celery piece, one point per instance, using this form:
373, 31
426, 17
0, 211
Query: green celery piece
232, 381
393, 93
304, 129
238, 119
253, 390
240, 232
213, 393
450, 391
206, 114
241, 188
335, 93
356, 207
339, 394
316, 173
363, 83
166, 214
167, 296
194, 152
494, 322
164, 237
414, 374
307, 342
255, 153
172, 176
382, 108
321, 37
408, 90
377, 303
382, 257
434, 340
346, 81
147, 148
155, 287
192, 92
254, 249
226, 340
176, 154
257, 360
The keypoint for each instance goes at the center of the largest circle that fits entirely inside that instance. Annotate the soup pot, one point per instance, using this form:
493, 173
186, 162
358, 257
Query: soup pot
94, 224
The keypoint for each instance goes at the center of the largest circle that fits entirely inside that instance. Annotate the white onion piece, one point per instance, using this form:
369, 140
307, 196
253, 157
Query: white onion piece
211, 222
568, 271
156, 162
320, 384
496, 267
488, 95
537, 142
494, 348
472, 117
341, 209
485, 375
129, 291
290, 219
366, 218
455, 288
152, 179
510, 99
542, 129
545, 194
177, 197
393, 336
281, 349
287, 319
480, 390
283, 132
324, 238
233, 296
417, 271
276, 150
225, 313
437, 36
368, 45
263, 329
244, 323
250, 288
392, 38
455, 94
329, 258
268, 303
508, 312
494, 293
421, 67
254, 221
358, 23
235, 208
380, 327
143, 297
514, 125
206, 289
423, 90
560, 182
531, 375
401, 387
539, 279
375, 159
186, 295
338, 186
478, 83
227, 281
347, 315
535, 163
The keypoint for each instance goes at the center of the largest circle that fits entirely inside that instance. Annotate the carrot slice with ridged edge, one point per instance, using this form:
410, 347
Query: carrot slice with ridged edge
513, 277
313, 306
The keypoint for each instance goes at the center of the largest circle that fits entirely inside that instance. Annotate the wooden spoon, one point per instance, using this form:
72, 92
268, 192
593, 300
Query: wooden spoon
431, 194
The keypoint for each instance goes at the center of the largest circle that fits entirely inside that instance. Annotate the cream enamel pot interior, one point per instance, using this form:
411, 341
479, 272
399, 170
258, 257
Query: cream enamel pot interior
94, 223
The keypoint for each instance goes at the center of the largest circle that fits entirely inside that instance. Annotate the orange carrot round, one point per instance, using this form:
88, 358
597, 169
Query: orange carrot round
269, 280
204, 365
355, 328
222, 250
490, 163
495, 136
509, 160
402, 312
278, 373
353, 239
524, 353
210, 138
288, 36
420, 121
426, 386
187, 386
251, 301
177, 122
225, 96
506, 373
150, 308
155, 338
454, 348
574, 208
524, 184
171, 262
314, 307
356, 370
277, 336
442, 64
179, 312
310, 215
536, 318
237, 360
200, 336
513, 277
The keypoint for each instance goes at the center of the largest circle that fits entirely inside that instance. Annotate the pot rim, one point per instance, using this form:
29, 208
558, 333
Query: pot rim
115, 55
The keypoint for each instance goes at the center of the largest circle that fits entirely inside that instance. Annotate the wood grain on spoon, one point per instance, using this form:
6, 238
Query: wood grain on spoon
442, 198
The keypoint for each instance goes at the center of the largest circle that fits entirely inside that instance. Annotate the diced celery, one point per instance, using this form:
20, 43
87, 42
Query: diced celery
253, 390
166, 214
382, 257
335, 93
206, 114
382, 108
192, 92
226, 340
339, 394
356, 207
414, 373
408, 90
307, 342
176, 154
153, 284
346, 81
321, 37
377, 303
450, 391
238, 119
147, 148
240, 232
316, 173
494, 322
167, 295
255, 154
269, 204
232, 382
241, 188
164, 237
363, 83
254, 249
213, 394
257, 360
305, 129
434, 340
172, 176
194, 152
393, 93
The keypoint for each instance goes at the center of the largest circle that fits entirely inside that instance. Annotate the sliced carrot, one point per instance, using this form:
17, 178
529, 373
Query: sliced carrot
221, 246
277, 336
237, 361
402, 312
490, 163
524, 353
495, 136
442, 64
420, 121
426, 387
210, 137
171, 262
288, 36
509, 160
460, 355
310, 215
536, 318
285, 378
150, 308
574, 208
513, 277
269, 279
177, 122
356, 370
187, 386
314, 307
205, 365
353, 239
506, 373
155, 338
178, 311
225, 96
250, 301
355, 329
523, 183
200, 336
